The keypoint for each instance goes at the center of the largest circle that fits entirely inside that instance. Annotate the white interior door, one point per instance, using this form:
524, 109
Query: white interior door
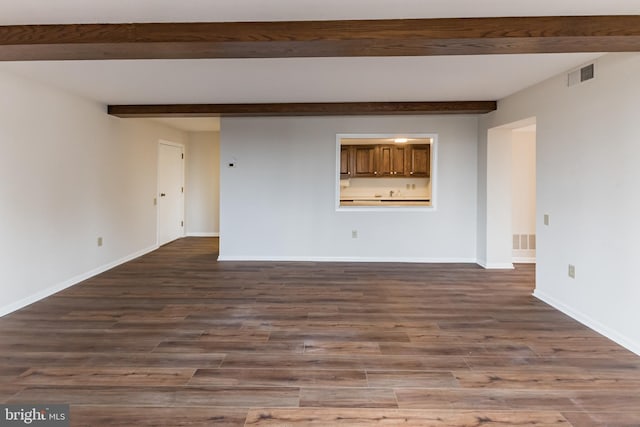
170, 192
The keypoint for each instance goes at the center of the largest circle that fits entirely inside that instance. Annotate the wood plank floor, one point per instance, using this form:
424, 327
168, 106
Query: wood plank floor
175, 338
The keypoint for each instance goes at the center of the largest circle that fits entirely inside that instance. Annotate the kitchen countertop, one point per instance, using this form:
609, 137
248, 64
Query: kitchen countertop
395, 201
386, 199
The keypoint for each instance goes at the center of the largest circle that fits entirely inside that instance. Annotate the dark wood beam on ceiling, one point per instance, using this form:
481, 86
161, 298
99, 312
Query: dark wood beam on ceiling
302, 109
393, 37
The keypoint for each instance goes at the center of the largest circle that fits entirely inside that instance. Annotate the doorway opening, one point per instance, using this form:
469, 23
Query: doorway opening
511, 194
523, 194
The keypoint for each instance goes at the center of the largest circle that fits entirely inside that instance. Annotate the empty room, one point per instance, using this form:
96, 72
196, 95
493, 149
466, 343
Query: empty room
341, 212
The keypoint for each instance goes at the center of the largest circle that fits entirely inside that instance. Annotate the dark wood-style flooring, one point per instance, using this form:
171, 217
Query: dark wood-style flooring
175, 338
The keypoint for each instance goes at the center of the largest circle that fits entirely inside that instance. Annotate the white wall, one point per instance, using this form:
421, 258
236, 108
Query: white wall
279, 200
203, 184
587, 181
483, 171
70, 173
498, 200
523, 193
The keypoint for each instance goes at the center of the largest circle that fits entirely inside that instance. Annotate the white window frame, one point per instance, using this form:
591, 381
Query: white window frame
433, 177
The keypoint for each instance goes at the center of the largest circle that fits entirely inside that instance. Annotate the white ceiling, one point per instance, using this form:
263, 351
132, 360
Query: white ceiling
444, 78
191, 124
448, 78
103, 11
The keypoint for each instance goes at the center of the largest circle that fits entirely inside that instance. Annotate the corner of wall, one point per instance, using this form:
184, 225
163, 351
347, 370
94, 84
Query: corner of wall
588, 321
51, 290
481, 227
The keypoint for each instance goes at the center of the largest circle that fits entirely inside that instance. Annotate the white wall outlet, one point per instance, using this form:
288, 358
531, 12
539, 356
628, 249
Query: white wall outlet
572, 271
546, 219
99, 241
354, 234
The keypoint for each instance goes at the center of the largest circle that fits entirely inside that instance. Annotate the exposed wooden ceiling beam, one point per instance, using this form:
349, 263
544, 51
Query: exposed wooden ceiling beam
303, 109
394, 37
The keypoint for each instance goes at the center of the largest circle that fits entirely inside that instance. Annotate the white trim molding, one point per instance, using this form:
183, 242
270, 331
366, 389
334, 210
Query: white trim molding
203, 234
344, 259
591, 323
496, 265
524, 260
10, 308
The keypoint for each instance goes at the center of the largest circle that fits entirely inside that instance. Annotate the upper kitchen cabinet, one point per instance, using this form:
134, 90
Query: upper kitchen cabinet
420, 161
346, 160
385, 160
392, 160
364, 161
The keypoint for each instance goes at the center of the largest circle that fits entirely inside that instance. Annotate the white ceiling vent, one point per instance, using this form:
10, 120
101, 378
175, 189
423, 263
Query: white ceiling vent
581, 75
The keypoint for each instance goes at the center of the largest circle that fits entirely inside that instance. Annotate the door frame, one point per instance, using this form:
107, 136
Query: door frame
182, 148
498, 235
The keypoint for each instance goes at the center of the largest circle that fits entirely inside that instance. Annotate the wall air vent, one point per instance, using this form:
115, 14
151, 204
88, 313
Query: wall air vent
581, 75
586, 73
524, 241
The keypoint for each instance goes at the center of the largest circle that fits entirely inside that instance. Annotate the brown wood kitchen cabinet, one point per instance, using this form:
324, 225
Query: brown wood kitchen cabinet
361, 161
392, 160
346, 155
365, 162
420, 161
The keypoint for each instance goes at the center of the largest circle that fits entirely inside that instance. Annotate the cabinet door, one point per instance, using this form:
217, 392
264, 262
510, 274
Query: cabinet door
399, 160
385, 160
346, 156
364, 160
392, 160
420, 164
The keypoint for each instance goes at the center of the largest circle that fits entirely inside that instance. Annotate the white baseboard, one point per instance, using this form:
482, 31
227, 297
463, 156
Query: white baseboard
200, 234
343, 259
496, 265
586, 320
10, 308
524, 260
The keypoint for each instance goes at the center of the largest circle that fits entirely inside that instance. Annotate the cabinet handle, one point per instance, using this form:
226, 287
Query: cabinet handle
410, 173
375, 173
